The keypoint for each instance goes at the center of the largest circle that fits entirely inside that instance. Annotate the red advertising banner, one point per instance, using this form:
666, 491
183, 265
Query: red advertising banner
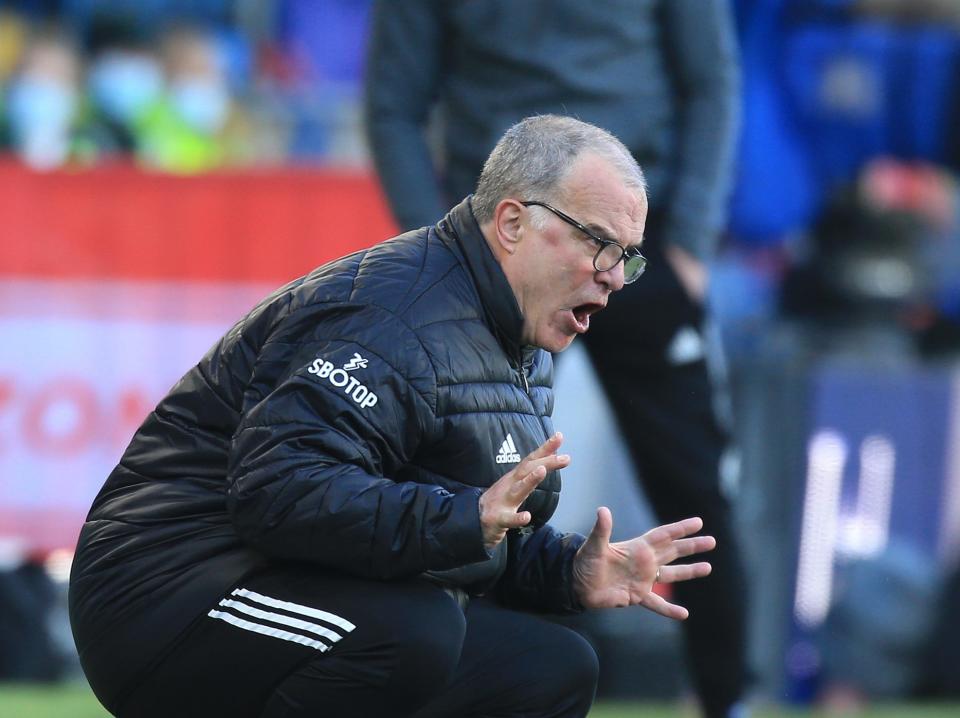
123, 223
113, 282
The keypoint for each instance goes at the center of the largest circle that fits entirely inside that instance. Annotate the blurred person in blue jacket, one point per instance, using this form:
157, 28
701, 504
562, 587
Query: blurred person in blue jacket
662, 76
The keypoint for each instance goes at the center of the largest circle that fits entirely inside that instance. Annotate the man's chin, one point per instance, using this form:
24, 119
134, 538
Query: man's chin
559, 343
554, 337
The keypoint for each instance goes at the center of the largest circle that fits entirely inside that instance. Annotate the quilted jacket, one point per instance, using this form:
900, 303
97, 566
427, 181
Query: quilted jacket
349, 422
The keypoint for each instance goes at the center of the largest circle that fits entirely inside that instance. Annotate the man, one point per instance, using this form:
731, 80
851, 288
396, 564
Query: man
662, 76
341, 510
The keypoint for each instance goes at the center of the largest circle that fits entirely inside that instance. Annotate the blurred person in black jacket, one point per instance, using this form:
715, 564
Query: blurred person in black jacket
663, 76
342, 509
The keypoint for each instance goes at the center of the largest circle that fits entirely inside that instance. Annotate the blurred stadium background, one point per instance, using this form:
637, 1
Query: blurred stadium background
165, 163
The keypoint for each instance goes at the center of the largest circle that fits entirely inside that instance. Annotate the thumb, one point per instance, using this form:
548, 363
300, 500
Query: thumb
603, 528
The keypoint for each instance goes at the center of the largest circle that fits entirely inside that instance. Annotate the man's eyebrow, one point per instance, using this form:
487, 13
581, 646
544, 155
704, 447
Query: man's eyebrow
604, 234
601, 232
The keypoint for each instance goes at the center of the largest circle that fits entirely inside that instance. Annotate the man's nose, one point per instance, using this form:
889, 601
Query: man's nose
612, 278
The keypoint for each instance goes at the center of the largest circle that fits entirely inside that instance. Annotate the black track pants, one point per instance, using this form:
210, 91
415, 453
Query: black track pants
297, 642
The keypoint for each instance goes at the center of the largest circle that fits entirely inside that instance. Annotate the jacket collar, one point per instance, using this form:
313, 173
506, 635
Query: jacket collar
497, 297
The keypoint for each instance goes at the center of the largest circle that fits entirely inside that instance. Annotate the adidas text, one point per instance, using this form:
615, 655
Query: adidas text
508, 452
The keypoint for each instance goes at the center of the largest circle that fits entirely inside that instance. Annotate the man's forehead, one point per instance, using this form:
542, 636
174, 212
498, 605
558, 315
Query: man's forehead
603, 197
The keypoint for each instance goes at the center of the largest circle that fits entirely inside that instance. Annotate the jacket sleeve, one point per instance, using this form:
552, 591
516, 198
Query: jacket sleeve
310, 466
402, 78
539, 575
706, 69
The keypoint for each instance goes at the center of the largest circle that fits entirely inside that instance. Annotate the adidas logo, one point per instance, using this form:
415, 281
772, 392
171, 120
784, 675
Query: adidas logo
508, 452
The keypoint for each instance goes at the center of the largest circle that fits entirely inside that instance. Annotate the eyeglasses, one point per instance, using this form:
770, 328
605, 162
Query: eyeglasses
609, 253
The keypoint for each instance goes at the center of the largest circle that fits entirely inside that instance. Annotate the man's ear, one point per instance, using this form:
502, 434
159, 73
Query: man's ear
507, 224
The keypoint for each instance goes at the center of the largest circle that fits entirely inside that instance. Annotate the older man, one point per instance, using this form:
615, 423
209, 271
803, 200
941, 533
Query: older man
342, 509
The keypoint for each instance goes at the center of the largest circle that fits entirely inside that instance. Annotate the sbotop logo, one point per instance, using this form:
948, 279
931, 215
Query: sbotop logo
341, 378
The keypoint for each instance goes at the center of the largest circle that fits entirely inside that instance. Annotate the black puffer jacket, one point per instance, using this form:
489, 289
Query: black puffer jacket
350, 421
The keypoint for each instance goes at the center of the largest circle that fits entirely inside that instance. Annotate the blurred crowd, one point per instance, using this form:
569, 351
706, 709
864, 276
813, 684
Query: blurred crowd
182, 87
845, 195
844, 212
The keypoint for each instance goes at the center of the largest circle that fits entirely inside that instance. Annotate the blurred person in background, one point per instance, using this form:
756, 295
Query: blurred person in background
195, 124
343, 508
124, 80
880, 265
663, 76
43, 100
28, 649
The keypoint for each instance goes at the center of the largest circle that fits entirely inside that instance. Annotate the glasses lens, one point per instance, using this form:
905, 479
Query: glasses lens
633, 267
607, 257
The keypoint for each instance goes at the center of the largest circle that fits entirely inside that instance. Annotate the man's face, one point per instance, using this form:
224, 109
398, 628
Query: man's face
552, 268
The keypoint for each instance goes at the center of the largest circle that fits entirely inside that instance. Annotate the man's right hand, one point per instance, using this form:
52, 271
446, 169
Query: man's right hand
499, 504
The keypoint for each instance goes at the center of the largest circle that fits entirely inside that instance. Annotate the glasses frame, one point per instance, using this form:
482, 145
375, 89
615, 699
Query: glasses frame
602, 243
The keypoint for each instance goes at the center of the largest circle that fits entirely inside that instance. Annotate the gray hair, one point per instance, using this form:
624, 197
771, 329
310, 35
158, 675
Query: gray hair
533, 157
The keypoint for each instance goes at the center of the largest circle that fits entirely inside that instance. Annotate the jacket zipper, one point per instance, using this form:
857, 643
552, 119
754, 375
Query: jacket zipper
522, 371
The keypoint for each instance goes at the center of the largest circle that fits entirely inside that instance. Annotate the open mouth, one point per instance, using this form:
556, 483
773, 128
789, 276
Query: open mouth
582, 312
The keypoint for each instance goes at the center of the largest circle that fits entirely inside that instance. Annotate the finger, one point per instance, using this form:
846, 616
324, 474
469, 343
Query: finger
548, 447
658, 604
551, 462
602, 528
677, 530
688, 547
684, 572
526, 484
514, 521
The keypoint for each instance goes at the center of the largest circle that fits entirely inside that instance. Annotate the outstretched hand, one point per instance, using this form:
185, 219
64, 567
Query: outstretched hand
623, 574
500, 504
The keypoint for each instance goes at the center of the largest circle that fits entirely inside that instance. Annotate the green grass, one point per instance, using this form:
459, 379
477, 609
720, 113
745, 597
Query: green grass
68, 700
74, 700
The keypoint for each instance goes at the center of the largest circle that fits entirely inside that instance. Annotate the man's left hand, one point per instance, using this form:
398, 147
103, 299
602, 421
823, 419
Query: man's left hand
691, 272
607, 574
